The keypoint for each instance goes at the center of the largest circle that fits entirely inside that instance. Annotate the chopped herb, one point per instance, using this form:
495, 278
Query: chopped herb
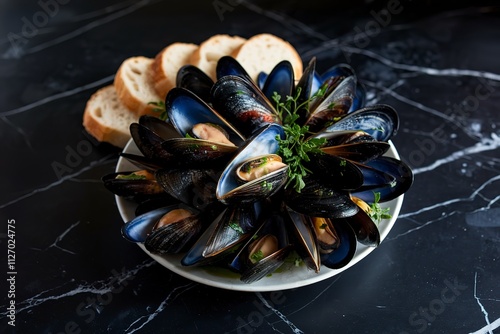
343, 162
132, 176
297, 262
376, 213
240, 92
331, 105
381, 129
257, 256
267, 185
235, 226
295, 148
160, 108
214, 147
189, 136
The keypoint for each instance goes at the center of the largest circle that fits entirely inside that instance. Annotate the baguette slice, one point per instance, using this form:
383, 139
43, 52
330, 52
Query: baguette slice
211, 50
134, 85
107, 119
262, 52
167, 63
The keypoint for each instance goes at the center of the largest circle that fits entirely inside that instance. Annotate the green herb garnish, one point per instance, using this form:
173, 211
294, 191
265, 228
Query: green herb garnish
160, 108
257, 256
296, 147
235, 226
376, 213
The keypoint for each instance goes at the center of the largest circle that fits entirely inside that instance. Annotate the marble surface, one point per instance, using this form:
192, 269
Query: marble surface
437, 271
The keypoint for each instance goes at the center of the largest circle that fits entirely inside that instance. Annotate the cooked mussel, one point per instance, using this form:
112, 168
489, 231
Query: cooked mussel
133, 185
229, 188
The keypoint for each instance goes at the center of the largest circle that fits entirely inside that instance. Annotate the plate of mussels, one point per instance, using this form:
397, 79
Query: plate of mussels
261, 186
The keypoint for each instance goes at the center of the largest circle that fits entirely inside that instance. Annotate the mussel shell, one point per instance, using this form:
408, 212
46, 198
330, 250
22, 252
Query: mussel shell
346, 250
159, 127
397, 169
251, 272
365, 229
176, 237
226, 234
194, 187
139, 228
334, 105
307, 88
318, 200
136, 190
227, 65
149, 143
379, 121
185, 110
142, 162
221, 236
344, 137
230, 190
304, 239
265, 266
358, 152
195, 80
242, 104
280, 80
192, 151
335, 172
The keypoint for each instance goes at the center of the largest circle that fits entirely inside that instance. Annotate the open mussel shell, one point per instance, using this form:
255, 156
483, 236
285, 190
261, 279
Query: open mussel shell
149, 143
174, 236
229, 188
130, 188
142, 162
195, 80
345, 249
365, 229
379, 121
319, 200
265, 251
397, 169
333, 105
232, 227
307, 87
242, 104
304, 239
280, 80
185, 110
141, 226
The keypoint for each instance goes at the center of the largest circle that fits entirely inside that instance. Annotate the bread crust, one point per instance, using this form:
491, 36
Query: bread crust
125, 93
267, 41
99, 130
162, 80
199, 57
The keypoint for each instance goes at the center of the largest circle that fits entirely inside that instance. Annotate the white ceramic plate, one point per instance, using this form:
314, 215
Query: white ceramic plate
288, 278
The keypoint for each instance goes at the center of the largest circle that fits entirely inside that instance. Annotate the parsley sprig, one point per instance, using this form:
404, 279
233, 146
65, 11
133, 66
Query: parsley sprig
376, 213
160, 108
296, 147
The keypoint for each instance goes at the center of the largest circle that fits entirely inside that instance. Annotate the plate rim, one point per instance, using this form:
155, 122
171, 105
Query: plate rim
266, 284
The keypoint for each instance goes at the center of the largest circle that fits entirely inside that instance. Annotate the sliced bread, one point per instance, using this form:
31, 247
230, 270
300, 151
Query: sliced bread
262, 52
167, 63
107, 119
211, 50
134, 85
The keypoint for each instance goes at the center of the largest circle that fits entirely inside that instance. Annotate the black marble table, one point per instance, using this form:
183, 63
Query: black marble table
436, 272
